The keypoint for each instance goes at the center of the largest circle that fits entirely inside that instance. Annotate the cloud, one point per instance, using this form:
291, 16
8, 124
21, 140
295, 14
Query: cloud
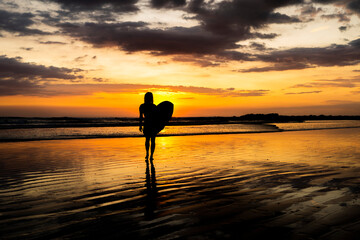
17, 77
295, 93
309, 9
343, 28
301, 58
52, 42
91, 5
167, 3
26, 48
353, 5
13, 68
48, 90
282, 18
258, 46
239, 17
18, 23
341, 17
278, 67
19, 87
202, 62
137, 36
345, 83
221, 26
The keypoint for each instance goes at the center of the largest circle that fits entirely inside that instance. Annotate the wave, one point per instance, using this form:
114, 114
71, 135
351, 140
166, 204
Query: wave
36, 134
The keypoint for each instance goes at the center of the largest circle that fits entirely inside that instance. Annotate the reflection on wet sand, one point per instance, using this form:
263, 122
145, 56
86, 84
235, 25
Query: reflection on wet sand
151, 191
292, 185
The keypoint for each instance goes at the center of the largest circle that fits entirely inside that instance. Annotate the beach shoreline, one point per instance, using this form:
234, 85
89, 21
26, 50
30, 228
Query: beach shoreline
288, 185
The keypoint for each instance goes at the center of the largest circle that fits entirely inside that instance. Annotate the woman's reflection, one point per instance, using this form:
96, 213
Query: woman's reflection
151, 191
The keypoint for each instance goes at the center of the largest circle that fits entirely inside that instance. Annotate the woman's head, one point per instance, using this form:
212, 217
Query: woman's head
148, 98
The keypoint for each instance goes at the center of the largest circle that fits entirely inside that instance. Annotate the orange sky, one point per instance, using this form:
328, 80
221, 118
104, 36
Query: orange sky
208, 58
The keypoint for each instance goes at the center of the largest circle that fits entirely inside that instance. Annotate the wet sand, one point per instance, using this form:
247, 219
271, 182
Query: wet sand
287, 185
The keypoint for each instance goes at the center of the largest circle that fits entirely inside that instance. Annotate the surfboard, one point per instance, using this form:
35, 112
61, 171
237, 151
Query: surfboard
164, 111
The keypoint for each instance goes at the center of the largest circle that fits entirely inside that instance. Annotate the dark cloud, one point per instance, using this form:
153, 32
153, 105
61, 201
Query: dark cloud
341, 17
13, 68
91, 5
343, 28
309, 9
19, 23
301, 58
326, 1
221, 26
263, 35
355, 43
239, 17
168, 3
353, 5
282, 18
17, 77
258, 46
10, 4
136, 36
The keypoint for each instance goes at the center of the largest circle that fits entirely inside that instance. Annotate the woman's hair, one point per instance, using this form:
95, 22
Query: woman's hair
148, 98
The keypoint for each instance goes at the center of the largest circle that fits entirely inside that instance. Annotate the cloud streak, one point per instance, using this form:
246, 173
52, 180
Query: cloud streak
336, 83
47, 90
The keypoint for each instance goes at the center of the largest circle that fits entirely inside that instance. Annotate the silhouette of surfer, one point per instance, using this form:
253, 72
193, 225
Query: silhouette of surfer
147, 114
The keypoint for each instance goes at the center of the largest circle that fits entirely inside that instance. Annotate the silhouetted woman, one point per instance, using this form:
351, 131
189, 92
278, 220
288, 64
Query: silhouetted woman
147, 112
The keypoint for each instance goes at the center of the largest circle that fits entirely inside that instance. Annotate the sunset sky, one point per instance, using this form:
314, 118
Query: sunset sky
88, 58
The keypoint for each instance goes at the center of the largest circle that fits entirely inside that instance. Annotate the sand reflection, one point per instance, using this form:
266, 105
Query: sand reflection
151, 191
240, 186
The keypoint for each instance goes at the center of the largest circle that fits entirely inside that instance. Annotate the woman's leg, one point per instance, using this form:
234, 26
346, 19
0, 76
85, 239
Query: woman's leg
147, 145
152, 147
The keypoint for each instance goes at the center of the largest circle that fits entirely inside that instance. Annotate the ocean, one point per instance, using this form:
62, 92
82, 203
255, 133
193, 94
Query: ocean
27, 129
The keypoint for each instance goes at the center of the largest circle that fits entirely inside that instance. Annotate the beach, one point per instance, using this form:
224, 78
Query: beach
286, 185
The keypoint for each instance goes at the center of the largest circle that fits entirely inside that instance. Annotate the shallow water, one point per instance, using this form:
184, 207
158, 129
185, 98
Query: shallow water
49, 133
108, 132
287, 184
